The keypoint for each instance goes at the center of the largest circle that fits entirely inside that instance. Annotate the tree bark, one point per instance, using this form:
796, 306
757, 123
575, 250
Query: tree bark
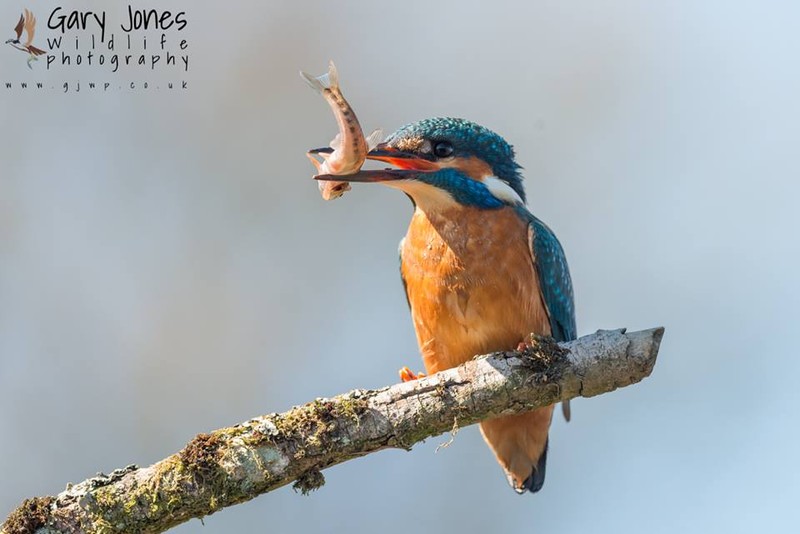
236, 464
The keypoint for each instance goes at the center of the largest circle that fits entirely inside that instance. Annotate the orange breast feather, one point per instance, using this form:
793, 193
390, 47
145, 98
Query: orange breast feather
471, 284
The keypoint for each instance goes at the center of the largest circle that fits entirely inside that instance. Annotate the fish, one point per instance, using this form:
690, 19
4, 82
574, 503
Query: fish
348, 150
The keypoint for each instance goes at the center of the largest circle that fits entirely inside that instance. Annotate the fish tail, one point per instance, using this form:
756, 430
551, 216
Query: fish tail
329, 80
374, 139
315, 161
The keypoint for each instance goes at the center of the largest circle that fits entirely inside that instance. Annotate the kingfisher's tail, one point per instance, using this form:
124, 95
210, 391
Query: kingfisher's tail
519, 443
329, 80
535, 482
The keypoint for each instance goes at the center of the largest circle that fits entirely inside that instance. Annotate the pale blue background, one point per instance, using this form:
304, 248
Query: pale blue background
167, 266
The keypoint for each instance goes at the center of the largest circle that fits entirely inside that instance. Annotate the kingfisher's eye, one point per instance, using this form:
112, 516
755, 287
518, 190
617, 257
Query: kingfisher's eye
443, 149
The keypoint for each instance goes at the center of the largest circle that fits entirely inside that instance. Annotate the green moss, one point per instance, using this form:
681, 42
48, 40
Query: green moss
200, 455
174, 502
105, 497
305, 419
139, 503
543, 356
255, 439
131, 504
143, 503
31, 515
309, 481
352, 407
107, 514
102, 526
314, 419
163, 493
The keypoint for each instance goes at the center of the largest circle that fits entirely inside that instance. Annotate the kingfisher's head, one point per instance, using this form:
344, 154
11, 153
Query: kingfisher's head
442, 161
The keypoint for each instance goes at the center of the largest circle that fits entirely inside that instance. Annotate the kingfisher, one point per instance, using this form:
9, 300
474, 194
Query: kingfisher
480, 271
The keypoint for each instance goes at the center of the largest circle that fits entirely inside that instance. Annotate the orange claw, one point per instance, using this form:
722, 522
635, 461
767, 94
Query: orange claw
526, 343
407, 375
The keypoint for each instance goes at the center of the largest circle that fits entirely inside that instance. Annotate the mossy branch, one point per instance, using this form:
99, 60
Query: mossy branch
236, 464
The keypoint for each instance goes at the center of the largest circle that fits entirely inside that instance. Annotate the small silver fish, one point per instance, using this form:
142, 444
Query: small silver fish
349, 148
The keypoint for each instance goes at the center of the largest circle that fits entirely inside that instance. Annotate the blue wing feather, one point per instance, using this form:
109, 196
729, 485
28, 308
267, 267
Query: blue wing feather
550, 263
554, 279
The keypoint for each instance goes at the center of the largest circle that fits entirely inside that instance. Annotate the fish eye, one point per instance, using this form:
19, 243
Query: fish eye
443, 149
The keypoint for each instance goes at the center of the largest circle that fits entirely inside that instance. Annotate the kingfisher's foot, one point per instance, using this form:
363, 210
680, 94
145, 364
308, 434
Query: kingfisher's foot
530, 341
407, 375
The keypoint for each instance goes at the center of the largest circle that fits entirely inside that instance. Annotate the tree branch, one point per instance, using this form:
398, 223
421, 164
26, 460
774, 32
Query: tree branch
236, 464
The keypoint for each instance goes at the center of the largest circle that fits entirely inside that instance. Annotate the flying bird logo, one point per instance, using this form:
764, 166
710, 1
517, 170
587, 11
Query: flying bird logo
27, 23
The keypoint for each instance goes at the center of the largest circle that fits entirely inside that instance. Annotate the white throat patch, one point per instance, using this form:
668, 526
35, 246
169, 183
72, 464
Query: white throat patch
501, 190
427, 197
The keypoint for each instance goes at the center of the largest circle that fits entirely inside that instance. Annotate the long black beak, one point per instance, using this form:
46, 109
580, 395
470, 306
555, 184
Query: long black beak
384, 175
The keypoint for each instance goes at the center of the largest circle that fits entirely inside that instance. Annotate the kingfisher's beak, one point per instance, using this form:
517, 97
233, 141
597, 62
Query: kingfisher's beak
411, 165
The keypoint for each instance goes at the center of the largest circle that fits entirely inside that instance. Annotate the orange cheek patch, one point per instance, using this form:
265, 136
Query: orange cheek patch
475, 168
